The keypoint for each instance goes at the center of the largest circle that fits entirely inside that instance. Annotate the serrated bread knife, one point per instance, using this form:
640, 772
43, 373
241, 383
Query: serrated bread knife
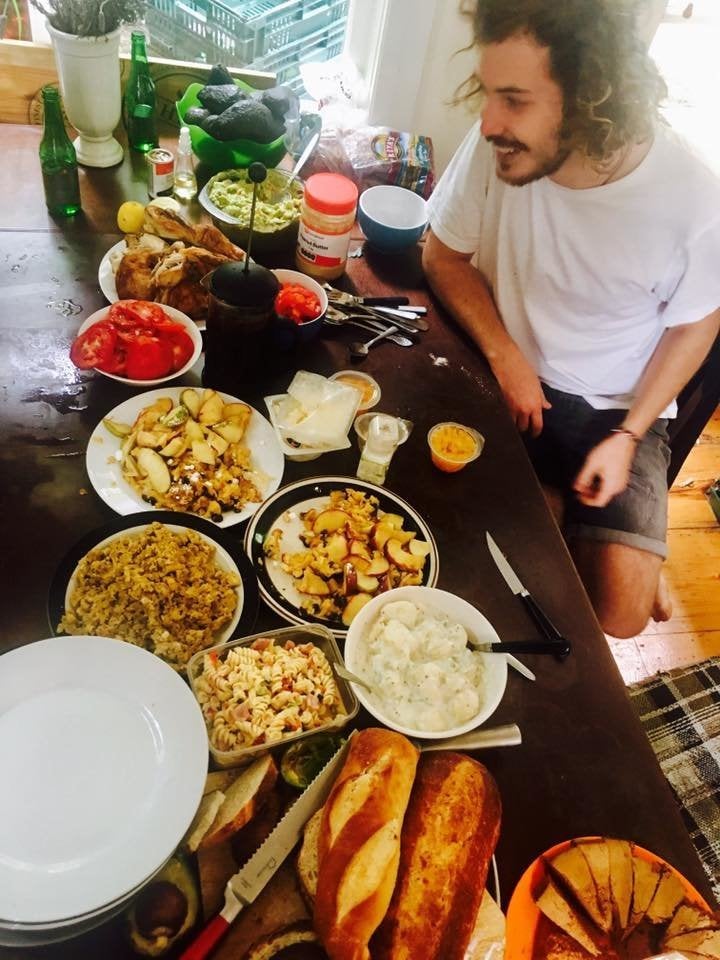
555, 641
244, 887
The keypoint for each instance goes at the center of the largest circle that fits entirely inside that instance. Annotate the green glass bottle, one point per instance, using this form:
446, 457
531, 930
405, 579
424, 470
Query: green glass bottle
140, 99
58, 161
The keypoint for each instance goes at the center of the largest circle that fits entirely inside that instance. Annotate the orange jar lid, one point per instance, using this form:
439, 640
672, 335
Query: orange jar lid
331, 193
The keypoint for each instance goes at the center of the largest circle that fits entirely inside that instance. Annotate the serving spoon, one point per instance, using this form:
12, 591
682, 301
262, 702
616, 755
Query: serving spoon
279, 193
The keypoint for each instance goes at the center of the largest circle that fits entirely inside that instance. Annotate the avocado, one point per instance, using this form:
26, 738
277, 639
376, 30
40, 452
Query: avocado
246, 119
219, 75
219, 98
165, 909
196, 115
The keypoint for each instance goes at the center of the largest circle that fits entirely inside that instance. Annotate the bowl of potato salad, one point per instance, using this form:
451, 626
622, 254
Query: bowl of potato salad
414, 648
227, 198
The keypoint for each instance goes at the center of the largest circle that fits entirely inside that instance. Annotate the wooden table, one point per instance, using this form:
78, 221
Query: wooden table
585, 766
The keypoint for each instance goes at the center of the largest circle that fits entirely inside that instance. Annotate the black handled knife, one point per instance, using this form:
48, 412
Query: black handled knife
560, 646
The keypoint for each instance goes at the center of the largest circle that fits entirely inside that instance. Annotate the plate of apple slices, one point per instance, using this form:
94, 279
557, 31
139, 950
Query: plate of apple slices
323, 548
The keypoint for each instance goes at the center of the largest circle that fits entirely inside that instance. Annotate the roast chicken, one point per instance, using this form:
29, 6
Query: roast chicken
169, 270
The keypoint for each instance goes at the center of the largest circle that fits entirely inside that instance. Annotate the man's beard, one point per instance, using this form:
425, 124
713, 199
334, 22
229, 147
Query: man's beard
545, 168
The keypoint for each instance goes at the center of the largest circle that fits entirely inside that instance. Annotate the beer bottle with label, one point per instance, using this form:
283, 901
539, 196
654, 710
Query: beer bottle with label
140, 99
58, 160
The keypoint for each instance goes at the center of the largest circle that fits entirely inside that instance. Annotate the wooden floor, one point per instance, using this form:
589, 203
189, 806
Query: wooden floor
692, 572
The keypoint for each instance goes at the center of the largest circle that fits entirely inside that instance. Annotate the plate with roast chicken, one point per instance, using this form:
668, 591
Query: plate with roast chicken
166, 261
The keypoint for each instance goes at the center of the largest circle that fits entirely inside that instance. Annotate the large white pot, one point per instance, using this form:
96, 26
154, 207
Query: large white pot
89, 72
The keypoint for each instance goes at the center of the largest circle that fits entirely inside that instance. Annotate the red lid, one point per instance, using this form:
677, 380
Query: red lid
331, 193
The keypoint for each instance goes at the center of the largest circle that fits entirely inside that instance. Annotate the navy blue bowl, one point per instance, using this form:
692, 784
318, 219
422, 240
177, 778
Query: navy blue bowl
392, 218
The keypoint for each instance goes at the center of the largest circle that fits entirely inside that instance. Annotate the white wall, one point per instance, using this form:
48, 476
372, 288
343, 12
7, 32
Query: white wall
414, 71
443, 70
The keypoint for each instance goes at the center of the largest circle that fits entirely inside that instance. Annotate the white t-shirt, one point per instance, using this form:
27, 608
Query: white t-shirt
586, 281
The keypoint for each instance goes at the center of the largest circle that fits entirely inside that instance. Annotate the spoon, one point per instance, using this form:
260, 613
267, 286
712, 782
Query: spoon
351, 677
279, 192
397, 338
358, 350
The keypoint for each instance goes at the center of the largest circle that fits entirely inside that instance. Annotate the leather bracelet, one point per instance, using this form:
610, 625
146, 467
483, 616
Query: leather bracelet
626, 432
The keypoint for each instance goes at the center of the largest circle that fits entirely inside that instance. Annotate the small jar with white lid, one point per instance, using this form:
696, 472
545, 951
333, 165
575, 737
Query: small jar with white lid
326, 221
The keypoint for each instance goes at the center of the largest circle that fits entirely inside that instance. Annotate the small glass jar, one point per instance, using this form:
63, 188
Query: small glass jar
326, 221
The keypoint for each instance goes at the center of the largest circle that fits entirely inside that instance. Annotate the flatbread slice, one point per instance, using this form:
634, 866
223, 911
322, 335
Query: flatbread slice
669, 893
621, 880
556, 908
688, 917
704, 942
646, 877
598, 859
572, 869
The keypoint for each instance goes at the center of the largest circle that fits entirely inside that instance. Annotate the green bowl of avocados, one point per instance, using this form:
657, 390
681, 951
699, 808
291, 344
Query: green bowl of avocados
227, 198
221, 154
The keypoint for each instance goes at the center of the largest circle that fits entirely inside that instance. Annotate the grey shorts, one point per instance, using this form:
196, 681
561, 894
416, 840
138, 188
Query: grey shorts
637, 516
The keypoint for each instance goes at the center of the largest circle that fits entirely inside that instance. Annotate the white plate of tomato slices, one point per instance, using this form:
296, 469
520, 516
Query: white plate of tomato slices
137, 342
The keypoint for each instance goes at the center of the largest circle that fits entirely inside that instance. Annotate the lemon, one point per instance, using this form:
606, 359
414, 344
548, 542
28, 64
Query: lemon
131, 217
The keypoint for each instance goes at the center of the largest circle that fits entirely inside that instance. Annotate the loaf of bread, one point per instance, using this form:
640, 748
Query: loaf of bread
451, 828
359, 841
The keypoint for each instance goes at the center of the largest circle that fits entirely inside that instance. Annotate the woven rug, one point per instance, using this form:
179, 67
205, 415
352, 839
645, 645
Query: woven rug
680, 712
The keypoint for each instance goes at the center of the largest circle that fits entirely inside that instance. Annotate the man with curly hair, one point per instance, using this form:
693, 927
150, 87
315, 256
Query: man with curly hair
577, 241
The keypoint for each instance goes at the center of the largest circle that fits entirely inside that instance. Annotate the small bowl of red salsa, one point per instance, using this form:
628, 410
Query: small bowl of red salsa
300, 306
137, 342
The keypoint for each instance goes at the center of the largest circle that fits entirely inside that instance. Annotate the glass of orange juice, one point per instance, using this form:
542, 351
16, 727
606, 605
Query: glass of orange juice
453, 446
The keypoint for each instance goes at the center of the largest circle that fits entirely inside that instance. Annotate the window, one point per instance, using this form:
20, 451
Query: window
275, 36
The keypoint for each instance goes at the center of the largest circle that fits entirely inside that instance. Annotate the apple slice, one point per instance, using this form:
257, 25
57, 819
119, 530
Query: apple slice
336, 547
359, 549
419, 548
217, 442
402, 558
212, 410
354, 606
350, 580
379, 565
380, 534
229, 430
330, 520
153, 466
367, 584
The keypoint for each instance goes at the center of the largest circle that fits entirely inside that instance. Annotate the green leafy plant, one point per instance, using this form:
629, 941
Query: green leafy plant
90, 18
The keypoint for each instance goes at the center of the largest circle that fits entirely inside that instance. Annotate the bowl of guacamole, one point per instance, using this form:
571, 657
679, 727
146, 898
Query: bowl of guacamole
227, 197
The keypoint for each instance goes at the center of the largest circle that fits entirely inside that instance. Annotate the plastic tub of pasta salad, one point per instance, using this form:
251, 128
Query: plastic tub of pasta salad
269, 690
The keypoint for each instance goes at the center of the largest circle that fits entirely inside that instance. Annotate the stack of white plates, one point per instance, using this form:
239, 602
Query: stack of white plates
103, 757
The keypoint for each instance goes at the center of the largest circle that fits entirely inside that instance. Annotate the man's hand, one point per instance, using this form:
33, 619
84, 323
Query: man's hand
606, 471
522, 391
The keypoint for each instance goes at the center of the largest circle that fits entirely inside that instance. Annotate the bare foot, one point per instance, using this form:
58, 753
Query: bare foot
662, 607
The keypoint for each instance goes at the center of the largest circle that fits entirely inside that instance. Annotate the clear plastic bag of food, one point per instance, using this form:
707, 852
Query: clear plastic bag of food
317, 412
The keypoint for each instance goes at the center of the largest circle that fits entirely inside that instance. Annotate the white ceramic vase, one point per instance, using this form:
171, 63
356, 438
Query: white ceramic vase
89, 72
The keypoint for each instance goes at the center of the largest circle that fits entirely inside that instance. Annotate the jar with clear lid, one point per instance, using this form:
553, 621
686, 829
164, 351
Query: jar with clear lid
327, 217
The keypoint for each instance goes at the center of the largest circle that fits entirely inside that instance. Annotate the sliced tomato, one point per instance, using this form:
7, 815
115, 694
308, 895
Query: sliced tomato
137, 313
148, 357
297, 303
117, 362
180, 343
95, 346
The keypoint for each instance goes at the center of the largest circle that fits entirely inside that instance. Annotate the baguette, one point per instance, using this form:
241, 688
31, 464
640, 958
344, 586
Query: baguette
449, 835
242, 799
359, 841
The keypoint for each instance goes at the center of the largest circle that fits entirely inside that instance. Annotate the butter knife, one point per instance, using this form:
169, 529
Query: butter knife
244, 887
555, 642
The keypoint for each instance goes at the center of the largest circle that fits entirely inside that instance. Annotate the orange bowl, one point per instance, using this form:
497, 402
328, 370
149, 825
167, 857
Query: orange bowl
523, 915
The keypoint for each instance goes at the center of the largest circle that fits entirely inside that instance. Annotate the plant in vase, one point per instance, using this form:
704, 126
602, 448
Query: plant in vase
86, 39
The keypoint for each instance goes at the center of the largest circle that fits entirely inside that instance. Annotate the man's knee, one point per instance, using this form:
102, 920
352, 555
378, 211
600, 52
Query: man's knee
621, 623
621, 583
